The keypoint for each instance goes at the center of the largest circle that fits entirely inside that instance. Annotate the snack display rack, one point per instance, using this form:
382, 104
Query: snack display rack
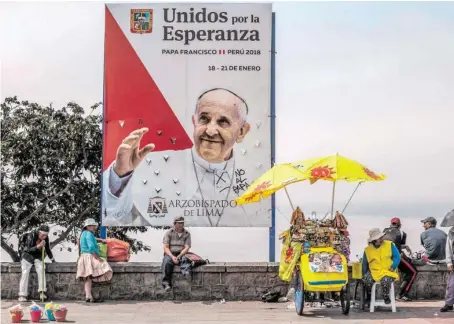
321, 249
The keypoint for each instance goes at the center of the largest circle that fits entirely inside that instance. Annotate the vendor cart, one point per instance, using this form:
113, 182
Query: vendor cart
321, 271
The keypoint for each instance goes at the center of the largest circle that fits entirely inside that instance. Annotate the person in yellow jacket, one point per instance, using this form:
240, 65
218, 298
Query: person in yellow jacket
380, 261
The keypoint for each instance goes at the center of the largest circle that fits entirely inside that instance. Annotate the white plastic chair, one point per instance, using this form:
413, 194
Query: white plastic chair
374, 303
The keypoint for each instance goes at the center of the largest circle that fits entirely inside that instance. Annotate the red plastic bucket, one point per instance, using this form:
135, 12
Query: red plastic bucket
60, 315
36, 316
16, 317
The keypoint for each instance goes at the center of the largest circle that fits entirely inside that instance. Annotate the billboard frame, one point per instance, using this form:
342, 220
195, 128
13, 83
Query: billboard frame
103, 229
272, 236
272, 229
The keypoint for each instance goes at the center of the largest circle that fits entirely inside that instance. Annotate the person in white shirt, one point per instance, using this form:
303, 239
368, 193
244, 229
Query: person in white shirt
209, 170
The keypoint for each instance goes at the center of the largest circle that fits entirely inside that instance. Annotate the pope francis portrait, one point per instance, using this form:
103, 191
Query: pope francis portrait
199, 182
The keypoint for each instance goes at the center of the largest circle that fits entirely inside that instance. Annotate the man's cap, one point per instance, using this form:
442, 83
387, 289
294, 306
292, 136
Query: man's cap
395, 221
44, 229
178, 219
431, 220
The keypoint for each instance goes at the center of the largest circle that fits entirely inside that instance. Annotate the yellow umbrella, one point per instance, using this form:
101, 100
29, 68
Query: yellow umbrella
271, 181
334, 168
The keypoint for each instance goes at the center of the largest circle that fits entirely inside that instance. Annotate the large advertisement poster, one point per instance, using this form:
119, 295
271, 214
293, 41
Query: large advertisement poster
186, 113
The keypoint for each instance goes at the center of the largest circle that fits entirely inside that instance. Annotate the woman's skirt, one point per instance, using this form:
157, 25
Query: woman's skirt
90, 267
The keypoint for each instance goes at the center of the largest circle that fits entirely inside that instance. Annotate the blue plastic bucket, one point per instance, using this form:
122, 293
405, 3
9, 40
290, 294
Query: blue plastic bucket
50, 314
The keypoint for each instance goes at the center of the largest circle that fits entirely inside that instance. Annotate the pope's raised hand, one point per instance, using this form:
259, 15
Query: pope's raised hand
129, 154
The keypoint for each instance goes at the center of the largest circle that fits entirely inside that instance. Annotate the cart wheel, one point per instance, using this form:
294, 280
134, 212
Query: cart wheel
345, 299
299, 293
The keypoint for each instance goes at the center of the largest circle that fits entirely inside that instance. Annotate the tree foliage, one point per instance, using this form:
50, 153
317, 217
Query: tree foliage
51, 171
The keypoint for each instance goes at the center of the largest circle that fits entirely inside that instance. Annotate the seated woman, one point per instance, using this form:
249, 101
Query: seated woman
380, 261
90, 267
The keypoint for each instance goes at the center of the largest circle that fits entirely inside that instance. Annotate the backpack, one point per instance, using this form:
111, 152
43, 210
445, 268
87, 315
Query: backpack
394, 235
271, 297
23, 242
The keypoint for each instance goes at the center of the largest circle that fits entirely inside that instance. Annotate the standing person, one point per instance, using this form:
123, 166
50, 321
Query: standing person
449, 297
32, 247
395, 234
380, 261
433, 240
90, 267
177, 242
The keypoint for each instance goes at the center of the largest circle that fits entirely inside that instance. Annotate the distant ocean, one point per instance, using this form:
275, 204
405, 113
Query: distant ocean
251, 244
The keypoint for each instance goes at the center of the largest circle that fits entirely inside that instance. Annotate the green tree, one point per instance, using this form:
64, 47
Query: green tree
51, 171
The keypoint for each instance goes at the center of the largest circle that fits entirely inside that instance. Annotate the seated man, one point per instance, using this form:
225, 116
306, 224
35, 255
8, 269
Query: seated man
177, 242
433, 240
31, 250
395, 234
380, 261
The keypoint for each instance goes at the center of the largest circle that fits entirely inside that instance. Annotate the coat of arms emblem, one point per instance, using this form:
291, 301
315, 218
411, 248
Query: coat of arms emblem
141, 21
157, 205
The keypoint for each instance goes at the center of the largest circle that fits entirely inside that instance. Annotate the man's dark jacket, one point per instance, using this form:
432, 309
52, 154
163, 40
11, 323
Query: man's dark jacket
396, 235
30, 252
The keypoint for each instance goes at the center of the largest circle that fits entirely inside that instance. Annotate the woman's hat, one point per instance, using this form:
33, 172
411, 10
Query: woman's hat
90, 222
375, 234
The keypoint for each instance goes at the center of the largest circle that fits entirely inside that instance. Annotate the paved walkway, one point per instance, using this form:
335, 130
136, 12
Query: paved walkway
237, 312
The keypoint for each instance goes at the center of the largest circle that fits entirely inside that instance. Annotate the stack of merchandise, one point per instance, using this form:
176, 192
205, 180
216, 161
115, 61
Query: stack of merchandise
49, 310
16, 313
36, 313
60, 312
325, 233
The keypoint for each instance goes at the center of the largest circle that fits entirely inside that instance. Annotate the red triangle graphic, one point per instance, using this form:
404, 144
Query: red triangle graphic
131, 95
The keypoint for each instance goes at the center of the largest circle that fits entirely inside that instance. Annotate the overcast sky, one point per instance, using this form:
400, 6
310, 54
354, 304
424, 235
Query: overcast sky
371, 81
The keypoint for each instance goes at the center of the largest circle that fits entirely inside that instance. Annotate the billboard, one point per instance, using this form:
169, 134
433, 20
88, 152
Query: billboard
186, 113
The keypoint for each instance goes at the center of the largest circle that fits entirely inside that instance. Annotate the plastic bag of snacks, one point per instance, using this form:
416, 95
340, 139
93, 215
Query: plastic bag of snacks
36, 313
49, 310
16, 312
60, 312
117, 250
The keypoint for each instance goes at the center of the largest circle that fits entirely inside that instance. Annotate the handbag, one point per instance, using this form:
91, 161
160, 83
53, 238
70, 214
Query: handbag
196, 260
102, 250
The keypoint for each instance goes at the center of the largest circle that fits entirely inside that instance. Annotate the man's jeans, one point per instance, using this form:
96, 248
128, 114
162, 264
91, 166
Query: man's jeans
26, 267
167, 268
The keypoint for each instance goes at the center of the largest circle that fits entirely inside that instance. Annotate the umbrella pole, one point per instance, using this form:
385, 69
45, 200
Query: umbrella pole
332, 199
351, 197
288, 196
42, 273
